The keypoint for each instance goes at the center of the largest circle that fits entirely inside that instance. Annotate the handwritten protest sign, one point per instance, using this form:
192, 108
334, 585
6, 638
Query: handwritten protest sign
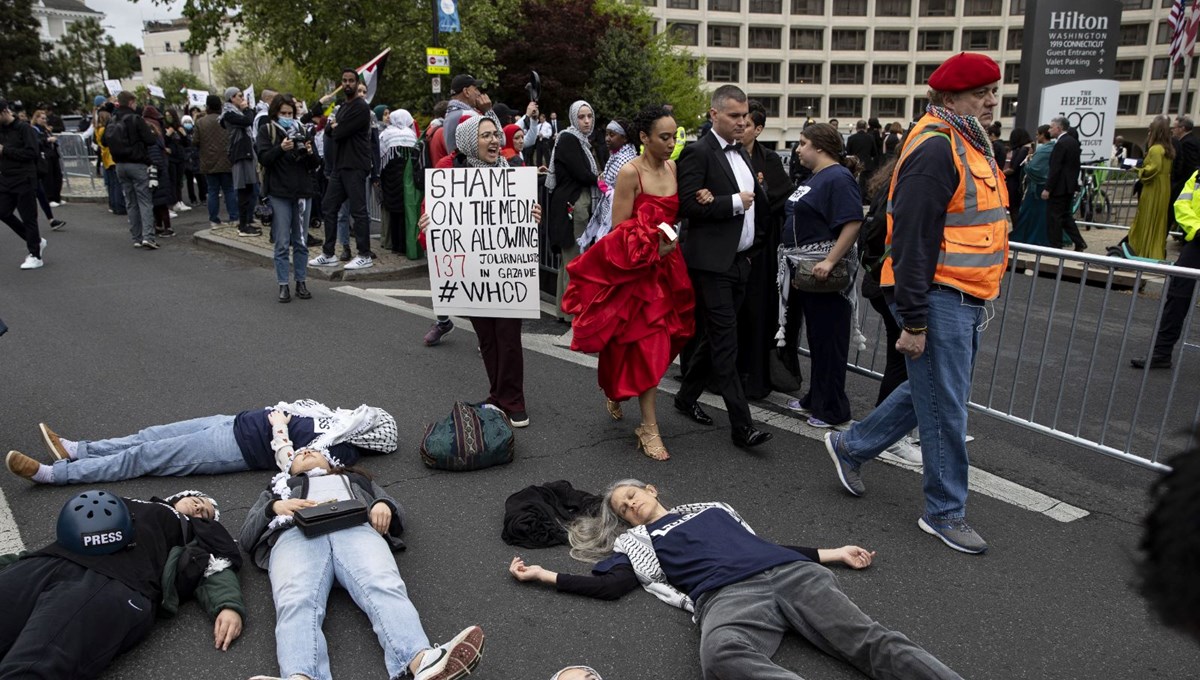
156, 91
114, 87
483, 241
197, 97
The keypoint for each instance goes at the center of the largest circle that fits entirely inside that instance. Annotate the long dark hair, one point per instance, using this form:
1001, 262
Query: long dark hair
278, 102
825, 137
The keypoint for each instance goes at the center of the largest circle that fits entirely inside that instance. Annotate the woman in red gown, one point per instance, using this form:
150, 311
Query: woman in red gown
630, 293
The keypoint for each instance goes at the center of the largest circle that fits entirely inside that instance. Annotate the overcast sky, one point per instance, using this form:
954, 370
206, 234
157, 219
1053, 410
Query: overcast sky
124, 18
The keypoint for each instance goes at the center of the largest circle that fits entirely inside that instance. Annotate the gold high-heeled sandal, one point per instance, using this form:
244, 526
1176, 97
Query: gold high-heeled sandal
614, 409
650, 442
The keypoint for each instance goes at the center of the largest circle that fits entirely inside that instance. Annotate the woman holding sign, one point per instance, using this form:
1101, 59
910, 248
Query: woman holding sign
630, 292
478, 141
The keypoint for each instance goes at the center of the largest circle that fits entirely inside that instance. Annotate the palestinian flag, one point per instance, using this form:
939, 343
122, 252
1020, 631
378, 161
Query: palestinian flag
372, 71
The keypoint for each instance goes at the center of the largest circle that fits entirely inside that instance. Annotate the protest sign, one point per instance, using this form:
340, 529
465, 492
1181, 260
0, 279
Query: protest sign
197, 98
114, 87
156, 91
482, 241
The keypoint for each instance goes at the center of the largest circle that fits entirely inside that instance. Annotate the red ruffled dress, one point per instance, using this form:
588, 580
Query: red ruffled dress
631, 306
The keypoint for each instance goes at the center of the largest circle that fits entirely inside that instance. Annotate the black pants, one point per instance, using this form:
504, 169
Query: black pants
24, 202
64, 621
719, 297
1059, 218
176, 172
347, 184
1178, 302
196, 186
895, 371
500, 346
245, 207
827, 319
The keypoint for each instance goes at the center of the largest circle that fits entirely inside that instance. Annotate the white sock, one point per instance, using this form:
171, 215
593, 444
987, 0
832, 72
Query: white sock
70, 447
44, 475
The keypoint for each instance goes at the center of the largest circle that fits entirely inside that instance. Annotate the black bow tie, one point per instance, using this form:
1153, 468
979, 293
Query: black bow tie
737, 146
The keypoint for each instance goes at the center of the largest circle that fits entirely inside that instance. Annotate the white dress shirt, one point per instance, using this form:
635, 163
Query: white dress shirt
745, 180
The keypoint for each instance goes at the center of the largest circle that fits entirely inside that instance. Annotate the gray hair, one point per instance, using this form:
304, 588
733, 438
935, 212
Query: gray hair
592, 538
1186, 123
726, 93
1061, 122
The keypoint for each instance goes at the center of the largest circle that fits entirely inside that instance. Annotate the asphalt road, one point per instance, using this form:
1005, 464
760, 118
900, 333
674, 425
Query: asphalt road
106, 339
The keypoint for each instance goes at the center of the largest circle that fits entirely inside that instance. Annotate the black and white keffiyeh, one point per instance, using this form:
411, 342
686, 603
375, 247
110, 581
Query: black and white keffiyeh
584, 143
366, 427
466, 140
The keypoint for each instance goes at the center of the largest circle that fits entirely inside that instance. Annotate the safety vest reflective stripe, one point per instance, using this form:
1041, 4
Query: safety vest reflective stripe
1187, 213
973, 260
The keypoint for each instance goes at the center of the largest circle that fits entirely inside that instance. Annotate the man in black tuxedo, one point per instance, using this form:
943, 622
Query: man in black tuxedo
862, 145
1061, 185
722, 237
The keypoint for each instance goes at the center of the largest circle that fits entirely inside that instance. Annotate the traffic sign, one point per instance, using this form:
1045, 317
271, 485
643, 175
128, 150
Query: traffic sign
437, 60
437, 84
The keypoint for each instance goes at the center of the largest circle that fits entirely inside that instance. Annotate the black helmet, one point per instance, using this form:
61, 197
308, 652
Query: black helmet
95, 523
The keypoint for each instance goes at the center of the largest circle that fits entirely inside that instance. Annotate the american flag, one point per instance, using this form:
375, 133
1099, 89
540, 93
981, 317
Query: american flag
1183, 24
1190, 25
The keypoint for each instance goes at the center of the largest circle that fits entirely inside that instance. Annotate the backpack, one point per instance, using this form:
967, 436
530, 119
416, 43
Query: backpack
117, 137
262, 170
472, 437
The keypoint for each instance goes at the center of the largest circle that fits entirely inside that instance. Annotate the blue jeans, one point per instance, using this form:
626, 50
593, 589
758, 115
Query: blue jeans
934, 400
217, 183
116, 198
302, 572
201, 446
289, 233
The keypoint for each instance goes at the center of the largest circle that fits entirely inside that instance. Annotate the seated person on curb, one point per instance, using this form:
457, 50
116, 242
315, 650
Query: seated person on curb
303, 568
75, 605
745, 592
211, 445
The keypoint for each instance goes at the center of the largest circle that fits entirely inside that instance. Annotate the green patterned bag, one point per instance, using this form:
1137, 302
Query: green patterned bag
472, 437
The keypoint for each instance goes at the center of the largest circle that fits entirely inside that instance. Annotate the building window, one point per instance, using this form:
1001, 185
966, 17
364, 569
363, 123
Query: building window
807, 39
921, 75
770, 103
684, 34
804, 107
846, 74
889, 74
804, 73
1164, 34
937, 8
1154, 102
982, 8
891, 41
1012, 74
1016, 7
683, 4
724, 5
166, 47
932, 41
765, 38
763, 72
812, 8
849, 40
887, 107
1138, 4
723, 71
919, 104
981, 40
845, 107
893, 8
1127, 104
766, 6
1159, 68
1015, 36
1134, 34
1128, 69
849, 8
1008, 107
650, 3
722, 36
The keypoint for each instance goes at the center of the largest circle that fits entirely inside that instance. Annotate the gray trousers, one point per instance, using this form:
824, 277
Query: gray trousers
741, 626
135, 183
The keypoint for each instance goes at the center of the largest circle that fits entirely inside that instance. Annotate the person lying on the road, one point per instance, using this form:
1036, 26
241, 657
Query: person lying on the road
258, 439
744, 591
117, 564
300, 559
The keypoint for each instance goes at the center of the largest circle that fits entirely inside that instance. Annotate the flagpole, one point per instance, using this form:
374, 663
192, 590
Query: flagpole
1183, 90
1166, 107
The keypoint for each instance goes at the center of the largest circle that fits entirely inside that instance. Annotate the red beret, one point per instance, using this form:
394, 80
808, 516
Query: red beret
965, 71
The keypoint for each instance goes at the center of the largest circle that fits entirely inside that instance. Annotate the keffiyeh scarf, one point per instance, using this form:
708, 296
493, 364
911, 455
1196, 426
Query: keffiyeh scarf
574, 131
367, 427
601, 221
398, 135
466, 140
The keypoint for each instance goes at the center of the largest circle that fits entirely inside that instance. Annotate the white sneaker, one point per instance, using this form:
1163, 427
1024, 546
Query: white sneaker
173, 214
42, 249
31, 262
324, 260
54, 204
904, 452
360, 262
181, 207
454, 659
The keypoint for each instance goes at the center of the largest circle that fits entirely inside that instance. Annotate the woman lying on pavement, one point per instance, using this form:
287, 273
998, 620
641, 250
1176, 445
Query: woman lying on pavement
744, 591
303, 567
73, 606
212, 445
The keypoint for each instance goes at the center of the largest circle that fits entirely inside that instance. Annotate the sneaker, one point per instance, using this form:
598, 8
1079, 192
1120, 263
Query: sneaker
323, 260
794, 405
905, 453
137, 244
54, 204
360, 262
437, 331
57, 225
173, 214
454, 659
849, 476
150, 245
54, 443
21, 465
519, 419
42, 249
181, 207
955, 533
214, 225
250, 231
31, 262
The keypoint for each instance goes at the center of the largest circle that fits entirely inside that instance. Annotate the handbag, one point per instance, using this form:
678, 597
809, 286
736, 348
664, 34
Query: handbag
803, 278
472, 437
332, 515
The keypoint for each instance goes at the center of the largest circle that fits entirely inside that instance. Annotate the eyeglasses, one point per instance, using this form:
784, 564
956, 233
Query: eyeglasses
489, 135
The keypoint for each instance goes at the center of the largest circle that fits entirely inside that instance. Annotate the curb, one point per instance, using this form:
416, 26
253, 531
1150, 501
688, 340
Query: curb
206, 239
69, 198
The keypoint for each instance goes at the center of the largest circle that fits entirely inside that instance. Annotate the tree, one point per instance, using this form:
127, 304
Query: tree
28, 67
122, 60
558, 39
172, 80
84, 49
250, 64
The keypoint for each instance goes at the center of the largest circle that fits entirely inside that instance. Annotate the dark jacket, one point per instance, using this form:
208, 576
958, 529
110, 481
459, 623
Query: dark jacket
391, 177
211, 141
287, 174
1187, 161
237, 124
1063, 179
164, 193
257, 538
141, 137
861, 144
713, 232
178, 144
351, 137
18, 161
573, 176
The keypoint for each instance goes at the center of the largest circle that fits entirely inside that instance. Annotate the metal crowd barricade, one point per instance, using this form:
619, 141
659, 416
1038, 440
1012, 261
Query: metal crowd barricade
1054, 357
1106, 198
76, 162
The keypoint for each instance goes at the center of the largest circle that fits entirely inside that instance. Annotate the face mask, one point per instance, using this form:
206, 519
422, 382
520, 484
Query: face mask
286, 123
187, 126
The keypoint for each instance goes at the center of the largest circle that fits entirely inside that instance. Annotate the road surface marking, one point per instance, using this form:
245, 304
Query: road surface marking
10, 535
